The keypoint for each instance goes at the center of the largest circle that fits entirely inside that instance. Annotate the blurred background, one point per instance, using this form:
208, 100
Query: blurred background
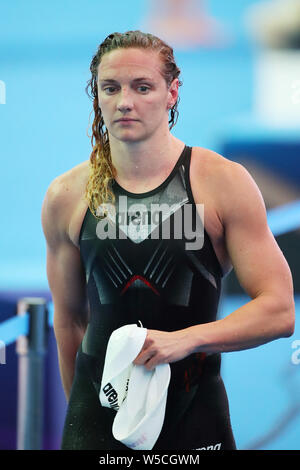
240, 63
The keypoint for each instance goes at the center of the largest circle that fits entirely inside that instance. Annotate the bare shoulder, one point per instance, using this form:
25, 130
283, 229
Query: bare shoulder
212, 163
226, 178
63, 194
68, 183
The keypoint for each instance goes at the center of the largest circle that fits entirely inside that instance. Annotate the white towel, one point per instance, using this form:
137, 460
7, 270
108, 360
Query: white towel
138, 395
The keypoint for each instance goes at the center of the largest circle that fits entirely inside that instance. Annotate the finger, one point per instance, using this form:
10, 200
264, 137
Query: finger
152, 362
142, 357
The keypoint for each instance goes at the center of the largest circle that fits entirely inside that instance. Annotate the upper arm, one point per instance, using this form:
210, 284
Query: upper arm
258, 262
65, 272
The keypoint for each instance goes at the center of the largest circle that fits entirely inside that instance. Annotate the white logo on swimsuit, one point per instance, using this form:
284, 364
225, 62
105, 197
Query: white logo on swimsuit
211, 447
137, 222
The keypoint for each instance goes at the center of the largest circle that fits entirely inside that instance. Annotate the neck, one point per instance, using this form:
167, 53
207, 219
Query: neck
135, 161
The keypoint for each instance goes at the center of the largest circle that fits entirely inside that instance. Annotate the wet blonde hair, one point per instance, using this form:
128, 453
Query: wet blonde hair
102, 171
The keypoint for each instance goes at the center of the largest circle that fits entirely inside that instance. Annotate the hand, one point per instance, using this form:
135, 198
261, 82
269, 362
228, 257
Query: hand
161, 347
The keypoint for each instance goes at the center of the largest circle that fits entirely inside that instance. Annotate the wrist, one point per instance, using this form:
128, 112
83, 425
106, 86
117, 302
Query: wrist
195, 339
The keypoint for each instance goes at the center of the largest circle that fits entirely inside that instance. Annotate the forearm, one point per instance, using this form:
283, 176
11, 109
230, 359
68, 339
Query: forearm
68, 341
259, 321
263, 319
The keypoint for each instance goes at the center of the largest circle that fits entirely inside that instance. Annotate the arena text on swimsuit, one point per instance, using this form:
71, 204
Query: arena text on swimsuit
137, 222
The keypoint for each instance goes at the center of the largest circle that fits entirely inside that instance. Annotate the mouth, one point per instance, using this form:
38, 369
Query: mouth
126, 120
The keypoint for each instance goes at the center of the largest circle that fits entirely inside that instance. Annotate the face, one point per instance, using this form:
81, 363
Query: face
130, 85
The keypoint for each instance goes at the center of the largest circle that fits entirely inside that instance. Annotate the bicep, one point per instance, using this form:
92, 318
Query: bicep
258, 262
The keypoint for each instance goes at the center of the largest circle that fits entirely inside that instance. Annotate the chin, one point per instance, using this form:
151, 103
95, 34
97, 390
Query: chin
130, 137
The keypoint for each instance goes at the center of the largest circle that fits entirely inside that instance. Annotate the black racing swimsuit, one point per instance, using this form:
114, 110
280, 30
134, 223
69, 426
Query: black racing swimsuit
151, 262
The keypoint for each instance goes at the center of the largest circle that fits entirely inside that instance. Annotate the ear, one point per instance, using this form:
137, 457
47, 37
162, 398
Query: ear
173, 93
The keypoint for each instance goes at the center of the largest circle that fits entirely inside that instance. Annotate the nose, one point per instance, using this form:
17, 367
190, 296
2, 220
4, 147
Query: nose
125, 101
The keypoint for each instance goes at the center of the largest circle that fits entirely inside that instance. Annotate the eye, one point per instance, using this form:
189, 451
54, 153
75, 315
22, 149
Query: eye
109, 88
146, 88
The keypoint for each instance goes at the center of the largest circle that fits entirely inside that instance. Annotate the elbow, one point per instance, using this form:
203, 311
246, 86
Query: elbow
288, 321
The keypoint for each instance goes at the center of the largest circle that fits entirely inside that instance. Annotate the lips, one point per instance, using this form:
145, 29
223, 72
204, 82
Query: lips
125, 120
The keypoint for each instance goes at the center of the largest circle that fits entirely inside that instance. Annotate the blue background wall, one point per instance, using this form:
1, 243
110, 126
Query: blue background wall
45, 53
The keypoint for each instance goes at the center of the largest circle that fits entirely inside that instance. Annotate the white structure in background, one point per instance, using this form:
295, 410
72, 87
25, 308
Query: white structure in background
2, 353
275, 26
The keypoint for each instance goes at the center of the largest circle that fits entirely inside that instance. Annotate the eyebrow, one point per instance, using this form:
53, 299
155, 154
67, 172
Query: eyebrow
140, 79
